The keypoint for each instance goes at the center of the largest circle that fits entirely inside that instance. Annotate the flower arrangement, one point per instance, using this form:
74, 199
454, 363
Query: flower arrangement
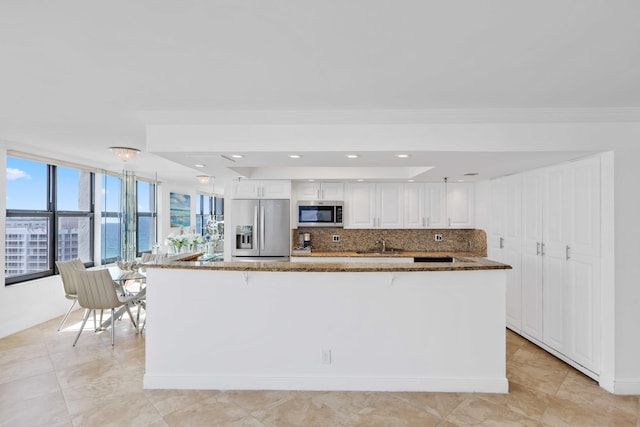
184, 240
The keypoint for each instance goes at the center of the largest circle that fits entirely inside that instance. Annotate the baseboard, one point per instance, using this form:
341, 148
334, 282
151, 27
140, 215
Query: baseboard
210, 382
631, 386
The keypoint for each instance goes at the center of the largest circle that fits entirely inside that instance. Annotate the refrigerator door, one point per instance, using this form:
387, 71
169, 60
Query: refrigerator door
275, 235
245, 228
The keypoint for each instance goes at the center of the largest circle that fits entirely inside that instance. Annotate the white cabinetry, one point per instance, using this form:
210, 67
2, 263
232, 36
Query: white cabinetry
319, 190
424, 205
460, 205
505, 241
261, 189
374, 205
561, 260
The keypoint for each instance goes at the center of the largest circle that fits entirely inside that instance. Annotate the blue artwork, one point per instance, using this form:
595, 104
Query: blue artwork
180, 210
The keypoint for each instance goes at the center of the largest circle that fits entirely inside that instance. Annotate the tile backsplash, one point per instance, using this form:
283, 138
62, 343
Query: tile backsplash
453, 240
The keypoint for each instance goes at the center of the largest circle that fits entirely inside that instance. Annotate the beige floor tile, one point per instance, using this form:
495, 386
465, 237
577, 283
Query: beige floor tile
538, 378
563, 412
478, 411
584, 391
522, 400
28, 388
167, 401
214, 411
438, 404
46, 409
24, 368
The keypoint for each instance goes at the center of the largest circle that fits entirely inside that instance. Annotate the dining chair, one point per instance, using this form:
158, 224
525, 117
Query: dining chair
97, 291
67, 274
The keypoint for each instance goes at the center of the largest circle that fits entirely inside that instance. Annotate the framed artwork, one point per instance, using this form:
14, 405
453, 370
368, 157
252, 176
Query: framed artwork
180, 210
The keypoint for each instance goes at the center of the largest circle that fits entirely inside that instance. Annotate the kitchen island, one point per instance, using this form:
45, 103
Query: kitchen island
402, 326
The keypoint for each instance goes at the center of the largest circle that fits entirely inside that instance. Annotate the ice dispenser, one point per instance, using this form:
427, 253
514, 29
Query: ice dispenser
244, 237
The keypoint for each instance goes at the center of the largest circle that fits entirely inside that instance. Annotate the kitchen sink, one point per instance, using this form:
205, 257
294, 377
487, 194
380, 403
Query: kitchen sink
433, 259
389, 252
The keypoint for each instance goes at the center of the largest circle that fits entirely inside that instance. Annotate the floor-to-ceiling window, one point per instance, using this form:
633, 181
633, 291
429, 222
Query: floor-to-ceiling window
50, 216
146, 217
110, 237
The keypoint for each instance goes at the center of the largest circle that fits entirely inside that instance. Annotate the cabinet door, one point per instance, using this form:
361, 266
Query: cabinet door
582, 254
280, 189
332, 191
554, 266
496, 235
414, 206
584, 309
460, 205
532, 191
512, 248
360, 205
390, 206
307, 190
246, 189
435, 205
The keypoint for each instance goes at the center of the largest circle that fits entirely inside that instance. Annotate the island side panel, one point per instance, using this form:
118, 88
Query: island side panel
400, 331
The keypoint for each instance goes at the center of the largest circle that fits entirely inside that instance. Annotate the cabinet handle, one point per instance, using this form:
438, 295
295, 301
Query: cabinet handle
537, 248
319, 195
424, 222
428, 221
568, 252
542, 251
449, 221
501, 243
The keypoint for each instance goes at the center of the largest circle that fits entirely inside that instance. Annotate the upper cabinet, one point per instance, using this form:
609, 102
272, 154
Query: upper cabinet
424, 205
374, 205
319, 190
261, 189
461, 205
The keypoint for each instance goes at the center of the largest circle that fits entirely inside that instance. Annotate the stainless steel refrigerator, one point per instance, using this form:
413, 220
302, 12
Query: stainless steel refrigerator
261, 229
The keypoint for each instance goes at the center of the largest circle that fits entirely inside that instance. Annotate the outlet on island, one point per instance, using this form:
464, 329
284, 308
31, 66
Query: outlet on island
335, 238
438, 237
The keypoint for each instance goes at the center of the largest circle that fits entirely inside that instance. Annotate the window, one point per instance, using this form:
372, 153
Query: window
203, 213
110, 230
146, 218
49, 217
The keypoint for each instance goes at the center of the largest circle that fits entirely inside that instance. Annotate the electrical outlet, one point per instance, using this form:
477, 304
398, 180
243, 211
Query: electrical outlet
326, 357
335, 238
438, 237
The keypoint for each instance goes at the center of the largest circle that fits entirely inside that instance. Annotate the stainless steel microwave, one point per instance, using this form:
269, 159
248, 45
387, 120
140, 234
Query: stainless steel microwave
320, 213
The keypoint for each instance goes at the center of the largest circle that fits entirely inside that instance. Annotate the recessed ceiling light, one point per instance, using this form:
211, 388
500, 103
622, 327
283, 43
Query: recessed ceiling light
360, 180
402, 156
410, 180
199, 165
295, 156
461, 180
237, 156
311, 180
353, 156
471, 174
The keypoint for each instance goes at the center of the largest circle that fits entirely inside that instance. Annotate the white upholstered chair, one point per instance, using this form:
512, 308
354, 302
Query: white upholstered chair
67, 274
97, 291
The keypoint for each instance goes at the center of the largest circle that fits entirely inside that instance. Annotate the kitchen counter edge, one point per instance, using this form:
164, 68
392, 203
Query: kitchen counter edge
462, 262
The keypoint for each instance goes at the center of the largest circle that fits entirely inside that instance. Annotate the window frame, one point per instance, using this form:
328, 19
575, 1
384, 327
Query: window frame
153, 215
53, 216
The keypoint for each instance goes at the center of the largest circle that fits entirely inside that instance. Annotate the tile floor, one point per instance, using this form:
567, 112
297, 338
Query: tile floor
44, 381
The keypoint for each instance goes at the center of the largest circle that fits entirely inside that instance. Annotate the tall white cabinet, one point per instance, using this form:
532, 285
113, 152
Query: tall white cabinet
560, 259
504, 242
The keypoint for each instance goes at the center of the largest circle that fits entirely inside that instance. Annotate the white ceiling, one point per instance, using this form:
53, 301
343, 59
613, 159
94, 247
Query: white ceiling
76, 77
